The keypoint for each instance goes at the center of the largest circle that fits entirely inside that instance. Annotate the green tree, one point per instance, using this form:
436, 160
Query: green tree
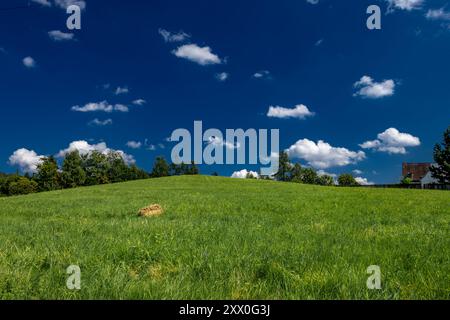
134, 173
326, 180
284, 167
96, 166
441, 171
193, 169
160, 168
22, 185
347, 180
309, 176
73, 174
47, 176
296, 173
117, 170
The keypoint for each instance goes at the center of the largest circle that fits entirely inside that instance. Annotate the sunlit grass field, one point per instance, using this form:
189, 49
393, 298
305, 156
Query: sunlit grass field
222, 238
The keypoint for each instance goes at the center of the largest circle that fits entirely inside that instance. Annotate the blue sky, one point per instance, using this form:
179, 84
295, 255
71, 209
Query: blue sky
374, 98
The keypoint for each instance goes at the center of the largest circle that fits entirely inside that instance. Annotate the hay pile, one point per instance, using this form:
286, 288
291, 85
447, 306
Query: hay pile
151, 211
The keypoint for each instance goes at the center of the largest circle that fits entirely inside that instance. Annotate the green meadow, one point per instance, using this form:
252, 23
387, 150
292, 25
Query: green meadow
222, 238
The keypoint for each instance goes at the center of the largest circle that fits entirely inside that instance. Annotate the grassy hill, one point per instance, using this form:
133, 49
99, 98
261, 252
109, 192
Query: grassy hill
225, 238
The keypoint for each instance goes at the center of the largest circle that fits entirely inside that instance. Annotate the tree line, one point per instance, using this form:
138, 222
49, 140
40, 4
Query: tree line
290, 172
89, 169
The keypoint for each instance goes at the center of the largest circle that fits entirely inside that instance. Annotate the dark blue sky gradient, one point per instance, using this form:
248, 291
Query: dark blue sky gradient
119, 44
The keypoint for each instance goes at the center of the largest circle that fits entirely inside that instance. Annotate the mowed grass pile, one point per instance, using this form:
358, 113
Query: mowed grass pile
223, 238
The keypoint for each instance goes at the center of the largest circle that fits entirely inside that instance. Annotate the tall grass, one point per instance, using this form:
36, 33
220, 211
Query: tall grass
222, 238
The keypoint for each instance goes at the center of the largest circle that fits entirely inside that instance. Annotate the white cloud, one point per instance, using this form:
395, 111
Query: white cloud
26, 160
322, 155
364, 181
121, 90
139, 102
223, 76
173, 37
134, 144
103, 106
45, 3
243, 174
438, 14
405, 4
300, 112
368, 88
221, 143
321, 173
63, 4
100, 123
318, 42
392, 141
262, 74
29, 62
83, 147
201, 55
57, 35
358, 172
313, 1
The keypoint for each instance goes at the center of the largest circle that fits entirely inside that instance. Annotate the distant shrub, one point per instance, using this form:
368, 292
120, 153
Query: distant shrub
21, 186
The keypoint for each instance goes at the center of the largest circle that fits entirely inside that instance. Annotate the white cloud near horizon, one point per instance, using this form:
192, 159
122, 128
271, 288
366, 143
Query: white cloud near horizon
368, 88
200, 55
299, 112
26, 160
363, 181
392, 141
322, 155
83, 147
102, 106
243, 174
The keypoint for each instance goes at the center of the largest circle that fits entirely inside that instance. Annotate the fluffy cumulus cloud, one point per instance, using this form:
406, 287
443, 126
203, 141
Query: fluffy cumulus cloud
57, 35
392, 141
322, 155
300, 112
368, 88
244, 173
83, 147
405, 4
26, 160
364, 181
173, 37
103, 106
29, 62
201, 55
134, 144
